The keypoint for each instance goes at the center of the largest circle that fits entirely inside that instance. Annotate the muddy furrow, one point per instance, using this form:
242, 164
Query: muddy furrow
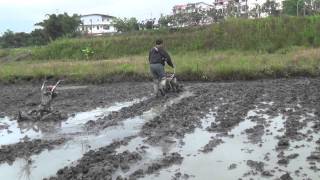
184, 117
100, 165
236, 105
242, 130
155, 167
9, 153
283, 117
299, 103
128, 112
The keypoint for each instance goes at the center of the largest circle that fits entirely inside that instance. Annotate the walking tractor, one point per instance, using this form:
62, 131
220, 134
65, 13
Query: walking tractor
171, 83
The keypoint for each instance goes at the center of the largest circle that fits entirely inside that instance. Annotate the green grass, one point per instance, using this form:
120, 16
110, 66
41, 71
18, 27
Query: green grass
260, 35
237, 49
196, 65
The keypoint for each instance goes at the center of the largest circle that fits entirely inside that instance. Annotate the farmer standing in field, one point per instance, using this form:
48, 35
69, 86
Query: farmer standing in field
157, 58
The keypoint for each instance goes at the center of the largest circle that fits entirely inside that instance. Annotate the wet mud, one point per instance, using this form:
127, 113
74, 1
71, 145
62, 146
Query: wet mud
71, 98
8, 153
100, 164
128, 112
234, 130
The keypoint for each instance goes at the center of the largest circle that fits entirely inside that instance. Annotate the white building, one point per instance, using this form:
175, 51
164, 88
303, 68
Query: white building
191, 7
244, 6
186, 9
96, 24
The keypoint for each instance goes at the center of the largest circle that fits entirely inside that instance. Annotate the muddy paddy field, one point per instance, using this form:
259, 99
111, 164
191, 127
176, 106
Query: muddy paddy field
268, 129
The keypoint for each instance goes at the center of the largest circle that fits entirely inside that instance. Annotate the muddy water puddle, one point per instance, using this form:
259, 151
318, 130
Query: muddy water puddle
229, 159
37, 166
14, 131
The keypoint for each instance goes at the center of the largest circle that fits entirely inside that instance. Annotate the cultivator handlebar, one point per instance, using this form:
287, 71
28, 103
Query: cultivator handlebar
50, 88
55, 86
174, 72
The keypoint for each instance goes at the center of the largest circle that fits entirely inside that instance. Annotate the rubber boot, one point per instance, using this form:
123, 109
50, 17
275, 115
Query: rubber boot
156, 87
162, 86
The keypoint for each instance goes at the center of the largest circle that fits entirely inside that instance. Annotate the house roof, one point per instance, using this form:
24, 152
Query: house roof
186, 5
204, 3
179, 6
102, 15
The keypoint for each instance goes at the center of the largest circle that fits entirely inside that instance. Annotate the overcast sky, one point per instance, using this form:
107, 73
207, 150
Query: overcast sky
21, 15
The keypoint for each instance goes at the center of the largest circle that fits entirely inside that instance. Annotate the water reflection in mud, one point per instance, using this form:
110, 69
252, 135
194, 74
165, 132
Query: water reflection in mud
80, 144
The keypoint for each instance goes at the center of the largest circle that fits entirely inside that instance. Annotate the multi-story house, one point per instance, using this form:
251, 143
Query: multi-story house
243, 7
187, 10
191, 7
96, 24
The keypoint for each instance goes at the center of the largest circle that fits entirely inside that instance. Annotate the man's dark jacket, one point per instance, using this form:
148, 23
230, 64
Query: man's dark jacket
159, 56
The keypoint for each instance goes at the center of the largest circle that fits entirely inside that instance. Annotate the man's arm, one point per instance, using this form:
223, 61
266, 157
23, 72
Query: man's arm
167, 57
149, 56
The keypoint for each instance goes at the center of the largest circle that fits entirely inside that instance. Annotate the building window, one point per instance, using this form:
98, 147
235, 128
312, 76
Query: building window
106, 27
244, 8
98, 27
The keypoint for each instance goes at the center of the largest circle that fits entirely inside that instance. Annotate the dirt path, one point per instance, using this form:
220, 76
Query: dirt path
242, 130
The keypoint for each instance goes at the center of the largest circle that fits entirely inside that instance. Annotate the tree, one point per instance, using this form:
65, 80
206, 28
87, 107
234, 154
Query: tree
7, 39
60, 25
120, 25
164, 21
311, 7
196, 17
316, 7
232, 10
290, 7
256, 11
14, 40
126, 25
215, 14
180, 19
301, 7
149, 24
39, 37
271, 8
133, 24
